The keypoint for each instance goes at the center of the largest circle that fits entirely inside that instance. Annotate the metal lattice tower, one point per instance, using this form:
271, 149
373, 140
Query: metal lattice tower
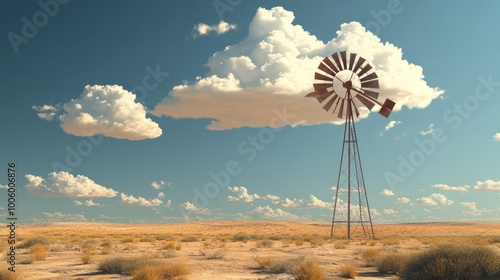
343, 84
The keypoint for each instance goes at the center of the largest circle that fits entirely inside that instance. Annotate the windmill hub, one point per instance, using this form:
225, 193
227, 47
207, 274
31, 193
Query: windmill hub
347, 85
345, 80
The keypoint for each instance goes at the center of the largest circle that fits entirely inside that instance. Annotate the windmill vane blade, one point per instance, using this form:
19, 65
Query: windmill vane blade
330, 102
372, 76
321, 86
368, 104
341, 110
358, 64
372, 94
370, 84
352, 57
330, 64
365, 69
326, 69
319, 76
322, 97
344, 59
335, 57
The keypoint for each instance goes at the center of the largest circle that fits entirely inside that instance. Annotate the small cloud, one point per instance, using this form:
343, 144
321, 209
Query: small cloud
289, 203
130, 200
202, 29
269, 213
60, 217
391, 124
271, 197
444, 187
87, 203
374, 212
159, 184
168, 203
496, 137
315, 202
403, 200
430, 130
161, 195
434, 199
387, 192
469, 205
188, 206
487, 186
242, 194
389, 211
46, 112
63, 184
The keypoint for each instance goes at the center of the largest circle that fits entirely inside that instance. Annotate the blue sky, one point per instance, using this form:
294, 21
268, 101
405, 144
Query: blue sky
164, 111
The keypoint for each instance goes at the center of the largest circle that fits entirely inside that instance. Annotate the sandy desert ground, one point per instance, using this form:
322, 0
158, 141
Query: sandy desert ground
226, 249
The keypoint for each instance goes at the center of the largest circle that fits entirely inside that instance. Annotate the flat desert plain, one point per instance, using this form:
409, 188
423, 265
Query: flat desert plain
224, 249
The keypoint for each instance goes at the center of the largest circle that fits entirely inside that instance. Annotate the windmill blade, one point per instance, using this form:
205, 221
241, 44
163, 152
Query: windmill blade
369, 77
330, 102
312, 94
326, 69
356, 111
343, 54
368, 104
352, 57
319, 76
322, 97
336, 58
370, 84
337, 104
330, 64
341, 110
365, 69
370, 93
358, 64
321, 86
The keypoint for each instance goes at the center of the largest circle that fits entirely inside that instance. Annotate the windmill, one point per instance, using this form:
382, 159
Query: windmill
343, 83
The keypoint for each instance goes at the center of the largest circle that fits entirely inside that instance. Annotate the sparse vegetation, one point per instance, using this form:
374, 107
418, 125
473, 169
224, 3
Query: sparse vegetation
266, 243
451, 261
159, 272
169, 253
35, 241
241, 236
370, 256
309, 269
348, 271
38, 252
172, 245
302, 268
189, 239
87, 256
213, 254
8, 275
391, 263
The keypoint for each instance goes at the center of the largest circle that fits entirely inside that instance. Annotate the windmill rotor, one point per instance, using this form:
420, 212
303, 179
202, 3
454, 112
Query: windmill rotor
344, 83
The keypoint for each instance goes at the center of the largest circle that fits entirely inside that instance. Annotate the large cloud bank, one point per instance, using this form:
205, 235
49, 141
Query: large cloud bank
273, 68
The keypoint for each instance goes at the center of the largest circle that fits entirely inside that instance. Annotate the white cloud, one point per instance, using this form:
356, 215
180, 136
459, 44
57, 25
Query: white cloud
496, 137
469, 205
269, 213
87, 203
46, 112
130, 200
159, 184
3, 186
168, 203
60, 217
289, 203
109, 110
430, 130
374, 212
273, 68
387, 192
389, 211
315, 202
242, 194
188, 206
434, 199
161, 195
63, 184
391, 124
202, 29
403, 200
271, 197
444, 187
487, 186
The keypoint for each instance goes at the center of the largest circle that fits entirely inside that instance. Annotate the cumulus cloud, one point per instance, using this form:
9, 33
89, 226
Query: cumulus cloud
269, 213
109, 110
387, 192
434, 199
269, 72
188, 206
391, 124
159, 184
469, 205
430, 130
496, 137
271, 197
317, 203
389, 211
487, 186
292, 203
60, 217
161, 195
64, 184
445, 187
202, 29
241, 194
130, 200
403, 200
88, 203
3, 186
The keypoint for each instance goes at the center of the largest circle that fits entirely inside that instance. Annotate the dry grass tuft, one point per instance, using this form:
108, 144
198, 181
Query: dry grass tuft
339, 245
169, 253
299, 242
348, 271
214, 254
451, 261
159, 272
39, 252
309, 269
391, 263
35, 241
241, 236
87, 256
302, 268
370, 256
172, 245
189, 239
266, 243
125, 266
8, 275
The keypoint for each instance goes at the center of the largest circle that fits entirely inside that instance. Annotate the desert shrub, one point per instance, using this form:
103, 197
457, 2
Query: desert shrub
391, 263
127, 239
87, 256
35, 241
106, 250
159, 272
189, 239
370, 256
266, 243
172, 245
169, 253
317, 242
214, 254
309, 269
241, 236
265, 261
339, 245
145, 239
450, 261
348, 271
8, 275
299, 242
38, 252
88, 244
390, 242
57, 248
124, 266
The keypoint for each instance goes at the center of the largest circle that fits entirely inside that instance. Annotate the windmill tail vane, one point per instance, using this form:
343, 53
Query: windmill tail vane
343, 83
